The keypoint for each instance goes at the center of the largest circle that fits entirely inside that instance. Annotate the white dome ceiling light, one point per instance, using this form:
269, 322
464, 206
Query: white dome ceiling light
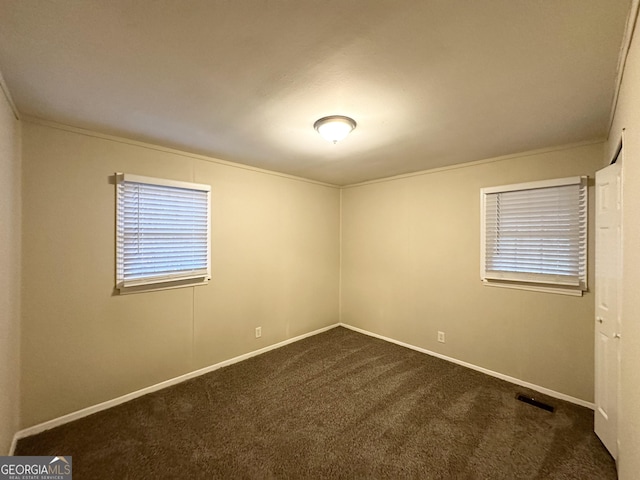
335, 127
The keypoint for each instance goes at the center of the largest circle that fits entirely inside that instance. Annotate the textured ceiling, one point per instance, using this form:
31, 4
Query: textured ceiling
430, 82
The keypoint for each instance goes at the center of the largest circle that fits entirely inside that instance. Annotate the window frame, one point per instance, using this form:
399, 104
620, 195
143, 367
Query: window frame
159, 283
544, 285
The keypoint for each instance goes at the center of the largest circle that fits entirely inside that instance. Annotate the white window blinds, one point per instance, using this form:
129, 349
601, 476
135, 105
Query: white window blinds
162, 232
536, 233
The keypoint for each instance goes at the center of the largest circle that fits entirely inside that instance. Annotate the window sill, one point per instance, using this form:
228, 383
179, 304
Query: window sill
153, 287
559, 290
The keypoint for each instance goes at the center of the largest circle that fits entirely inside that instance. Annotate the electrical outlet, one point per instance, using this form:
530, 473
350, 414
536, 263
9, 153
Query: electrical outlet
258, 332
441, 337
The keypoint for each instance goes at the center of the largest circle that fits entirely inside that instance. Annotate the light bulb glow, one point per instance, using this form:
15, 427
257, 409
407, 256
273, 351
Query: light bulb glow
335, 127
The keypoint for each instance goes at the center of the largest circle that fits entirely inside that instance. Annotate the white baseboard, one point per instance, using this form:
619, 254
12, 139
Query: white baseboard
85, 412
14, 442
517, 381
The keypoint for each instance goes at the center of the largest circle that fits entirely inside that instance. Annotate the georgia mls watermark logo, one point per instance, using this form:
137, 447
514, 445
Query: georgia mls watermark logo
35, 468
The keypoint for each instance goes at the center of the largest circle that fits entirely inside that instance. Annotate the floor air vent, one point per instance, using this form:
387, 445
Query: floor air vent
535, 403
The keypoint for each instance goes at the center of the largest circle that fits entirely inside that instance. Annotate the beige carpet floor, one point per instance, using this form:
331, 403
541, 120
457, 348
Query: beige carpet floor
336, 405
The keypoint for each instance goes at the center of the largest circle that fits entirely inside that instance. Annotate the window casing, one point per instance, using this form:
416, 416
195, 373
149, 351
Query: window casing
162, 233
534, 235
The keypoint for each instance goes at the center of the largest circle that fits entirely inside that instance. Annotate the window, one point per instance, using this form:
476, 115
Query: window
534, 235
162, 233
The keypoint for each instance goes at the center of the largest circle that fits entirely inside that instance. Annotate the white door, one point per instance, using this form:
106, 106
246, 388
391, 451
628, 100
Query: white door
607, 293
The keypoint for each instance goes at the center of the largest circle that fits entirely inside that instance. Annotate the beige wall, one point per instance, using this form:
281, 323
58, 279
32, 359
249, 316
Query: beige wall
275, 264
411, 267
627, 116
9, 273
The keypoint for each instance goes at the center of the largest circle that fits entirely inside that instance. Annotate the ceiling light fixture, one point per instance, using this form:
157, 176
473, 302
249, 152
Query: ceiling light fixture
335, 127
